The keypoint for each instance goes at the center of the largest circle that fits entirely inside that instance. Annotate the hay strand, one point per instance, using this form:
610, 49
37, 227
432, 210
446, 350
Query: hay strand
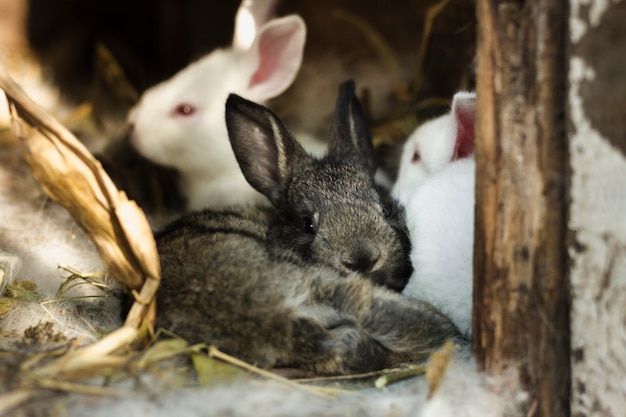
439, 363
400, 375
92, 356
382, 48
429, 20
14, 398
322, 391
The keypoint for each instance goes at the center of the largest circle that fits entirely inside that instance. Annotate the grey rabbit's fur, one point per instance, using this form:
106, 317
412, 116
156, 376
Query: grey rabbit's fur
287, 285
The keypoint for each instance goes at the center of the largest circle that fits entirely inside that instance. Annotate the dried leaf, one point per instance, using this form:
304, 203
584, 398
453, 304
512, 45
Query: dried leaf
436, 370
23, 291
25, 285
6, 305
163, 350
42, 334
211, 371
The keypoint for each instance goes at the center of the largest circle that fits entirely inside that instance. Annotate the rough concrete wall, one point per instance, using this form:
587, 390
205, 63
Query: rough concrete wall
597, 99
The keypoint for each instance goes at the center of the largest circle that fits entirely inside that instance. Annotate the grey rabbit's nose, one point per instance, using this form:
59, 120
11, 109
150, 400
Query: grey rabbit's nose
362, 260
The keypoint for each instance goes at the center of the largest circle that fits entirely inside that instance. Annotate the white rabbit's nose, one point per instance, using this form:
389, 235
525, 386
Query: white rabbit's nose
361, 260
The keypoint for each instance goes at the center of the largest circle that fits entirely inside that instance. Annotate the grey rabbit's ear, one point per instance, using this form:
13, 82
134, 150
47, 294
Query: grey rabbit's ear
264, 149
351, 136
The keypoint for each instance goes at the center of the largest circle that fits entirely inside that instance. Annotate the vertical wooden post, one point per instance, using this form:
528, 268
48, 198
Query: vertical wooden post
521, 297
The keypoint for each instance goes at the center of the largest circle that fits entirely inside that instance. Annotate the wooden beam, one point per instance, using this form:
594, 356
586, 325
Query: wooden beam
521, 296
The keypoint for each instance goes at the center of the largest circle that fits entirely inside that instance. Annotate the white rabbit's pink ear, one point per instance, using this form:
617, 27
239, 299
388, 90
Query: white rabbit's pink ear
276, 56
251, 16
464, 112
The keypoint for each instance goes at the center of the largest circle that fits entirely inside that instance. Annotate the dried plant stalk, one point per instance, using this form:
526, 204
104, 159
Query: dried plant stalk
70, 175
439, 363
432, 13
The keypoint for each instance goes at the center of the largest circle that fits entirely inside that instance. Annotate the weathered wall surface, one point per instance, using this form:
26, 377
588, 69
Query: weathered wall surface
597, 131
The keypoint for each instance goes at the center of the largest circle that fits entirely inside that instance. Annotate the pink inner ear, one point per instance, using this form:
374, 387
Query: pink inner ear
464, 146
268, 54
278, 55
273, 51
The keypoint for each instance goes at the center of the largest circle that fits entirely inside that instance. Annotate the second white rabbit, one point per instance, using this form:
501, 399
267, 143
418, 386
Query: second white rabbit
436, 185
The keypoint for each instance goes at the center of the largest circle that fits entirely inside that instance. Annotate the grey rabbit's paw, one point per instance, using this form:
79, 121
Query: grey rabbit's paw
310, 282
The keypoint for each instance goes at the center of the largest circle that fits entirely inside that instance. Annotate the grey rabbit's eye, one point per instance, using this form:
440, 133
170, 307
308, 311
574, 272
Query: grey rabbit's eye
386, 211
308, 225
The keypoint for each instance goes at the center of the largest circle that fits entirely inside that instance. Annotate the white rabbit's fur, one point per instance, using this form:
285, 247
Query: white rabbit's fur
251, 15
411, 174
432, 146
436, 185
197, 144
440, 217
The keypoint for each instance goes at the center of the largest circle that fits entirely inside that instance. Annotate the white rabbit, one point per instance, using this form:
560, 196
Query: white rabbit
436, 143
436, 185
180, 122
440, 218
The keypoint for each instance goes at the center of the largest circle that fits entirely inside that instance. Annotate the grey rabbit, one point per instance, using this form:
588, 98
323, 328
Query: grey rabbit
311, 282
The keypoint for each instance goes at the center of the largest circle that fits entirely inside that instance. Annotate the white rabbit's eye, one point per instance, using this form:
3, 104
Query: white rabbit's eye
308, 225
184, 109
416, 157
